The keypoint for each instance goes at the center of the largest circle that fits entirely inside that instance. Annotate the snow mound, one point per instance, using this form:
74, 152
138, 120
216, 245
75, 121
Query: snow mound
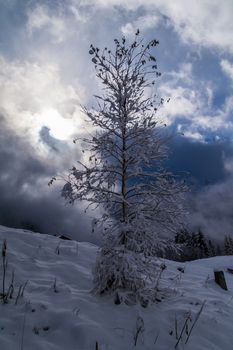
58, 311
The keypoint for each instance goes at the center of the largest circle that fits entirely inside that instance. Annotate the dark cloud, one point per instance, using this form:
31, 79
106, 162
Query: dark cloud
50, 141
212, 210
26, 200
204, 162
211, 179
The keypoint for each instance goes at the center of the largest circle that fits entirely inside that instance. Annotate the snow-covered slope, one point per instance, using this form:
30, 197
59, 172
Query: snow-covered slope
58, 310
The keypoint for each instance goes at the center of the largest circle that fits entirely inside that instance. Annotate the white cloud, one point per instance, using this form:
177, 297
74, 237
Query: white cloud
212, 210
142, 23
183, 101
191, 101
204, 22
78, 15
194, 135
228, 165
33, 95
184, 98
227, 68
208, 23
40, 18
184, 74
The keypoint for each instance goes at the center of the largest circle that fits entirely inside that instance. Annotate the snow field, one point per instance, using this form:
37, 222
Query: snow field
58, 310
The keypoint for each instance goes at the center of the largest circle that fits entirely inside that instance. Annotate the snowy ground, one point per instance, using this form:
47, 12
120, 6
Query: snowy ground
65, 315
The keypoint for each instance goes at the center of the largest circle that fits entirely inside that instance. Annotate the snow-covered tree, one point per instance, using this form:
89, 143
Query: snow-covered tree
140, 201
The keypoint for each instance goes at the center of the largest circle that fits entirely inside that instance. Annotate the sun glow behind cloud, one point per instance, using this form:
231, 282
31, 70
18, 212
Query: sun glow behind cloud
60, 128
34, 96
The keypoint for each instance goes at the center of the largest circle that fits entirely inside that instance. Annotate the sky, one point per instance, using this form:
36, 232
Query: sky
46, 74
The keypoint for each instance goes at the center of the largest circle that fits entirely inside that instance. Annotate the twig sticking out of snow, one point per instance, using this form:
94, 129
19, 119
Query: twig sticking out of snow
7, 293
21, 291
156, 338
55, 286
139, 329
195, 321
57, 249
4, 265
24, 322
185, 328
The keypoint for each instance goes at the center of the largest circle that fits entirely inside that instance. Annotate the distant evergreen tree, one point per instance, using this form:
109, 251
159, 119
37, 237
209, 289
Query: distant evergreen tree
182, 237
198, 245
219, 251
203, 245
183, 242
195, 245
211, 248
228, 245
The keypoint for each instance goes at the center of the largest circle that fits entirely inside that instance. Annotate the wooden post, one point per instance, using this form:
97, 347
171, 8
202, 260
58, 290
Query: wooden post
220, 279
